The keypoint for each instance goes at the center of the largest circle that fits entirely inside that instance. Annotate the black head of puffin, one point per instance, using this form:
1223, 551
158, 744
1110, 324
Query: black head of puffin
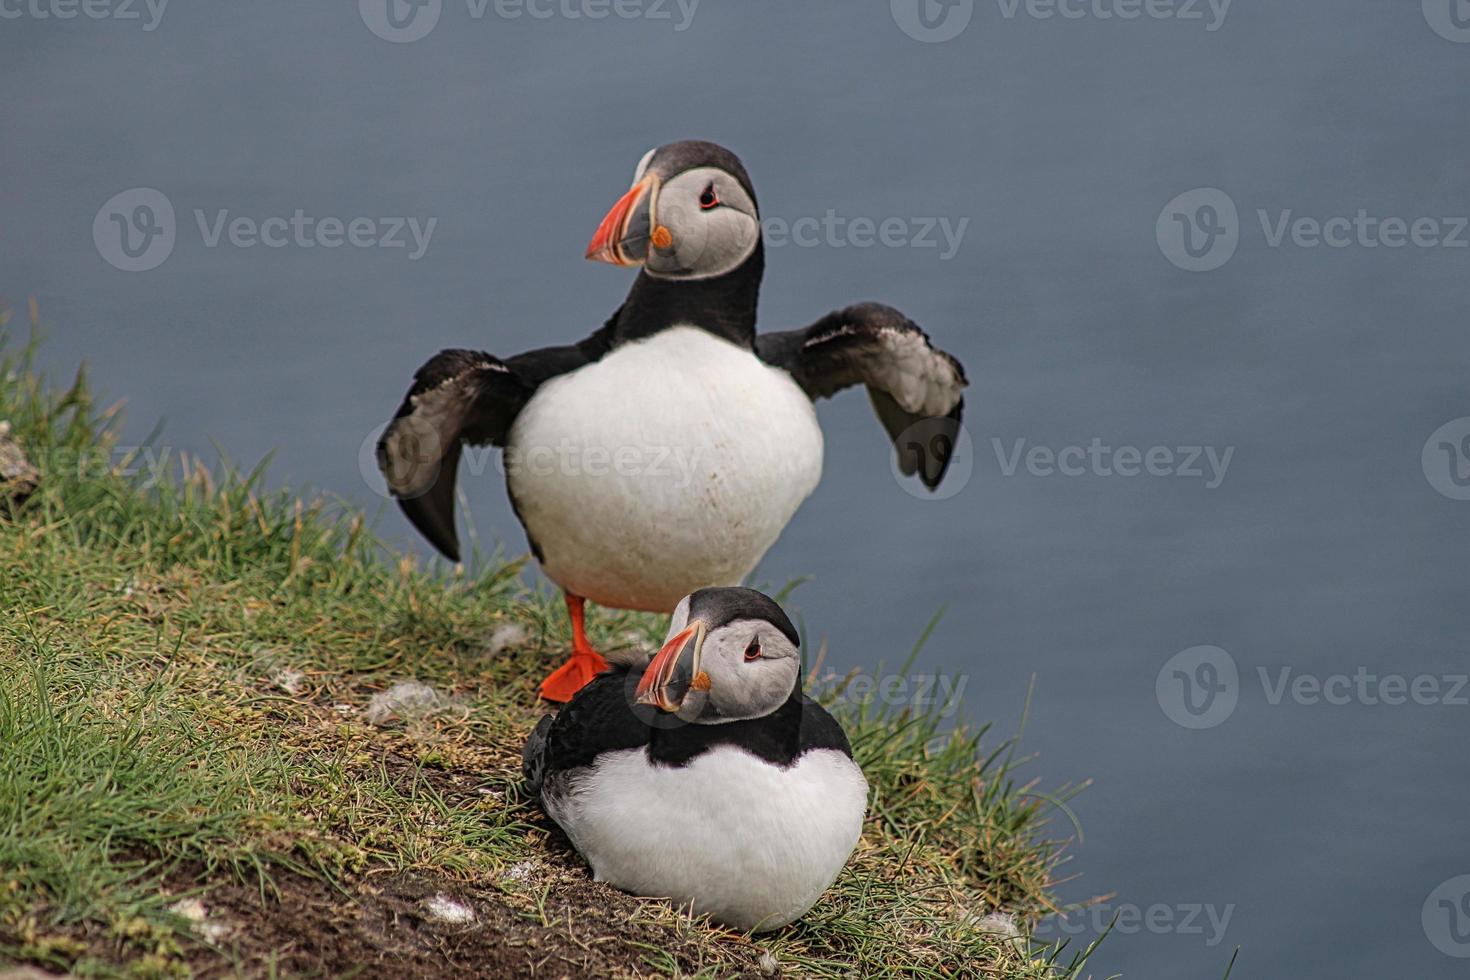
731, 655
690, 214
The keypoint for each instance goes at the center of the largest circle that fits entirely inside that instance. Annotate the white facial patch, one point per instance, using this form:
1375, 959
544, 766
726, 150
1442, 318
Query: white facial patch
707, 239
742, 687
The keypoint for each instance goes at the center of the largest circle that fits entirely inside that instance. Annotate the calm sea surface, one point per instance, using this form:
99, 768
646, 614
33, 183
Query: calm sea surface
1314, 545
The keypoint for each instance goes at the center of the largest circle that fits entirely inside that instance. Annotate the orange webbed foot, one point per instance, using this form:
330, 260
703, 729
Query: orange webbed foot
564, 682
586, 663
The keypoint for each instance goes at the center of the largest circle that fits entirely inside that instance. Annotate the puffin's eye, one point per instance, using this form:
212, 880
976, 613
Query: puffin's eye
753, 652
708, 199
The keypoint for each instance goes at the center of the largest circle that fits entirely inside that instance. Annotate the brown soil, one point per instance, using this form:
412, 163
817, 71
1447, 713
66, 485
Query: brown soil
381, 928
548, 919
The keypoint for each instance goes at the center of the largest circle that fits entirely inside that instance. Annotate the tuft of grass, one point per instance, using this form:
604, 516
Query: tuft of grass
184, 670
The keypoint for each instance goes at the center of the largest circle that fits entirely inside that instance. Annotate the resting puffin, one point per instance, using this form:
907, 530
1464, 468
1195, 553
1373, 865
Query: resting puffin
667, 451
707, 778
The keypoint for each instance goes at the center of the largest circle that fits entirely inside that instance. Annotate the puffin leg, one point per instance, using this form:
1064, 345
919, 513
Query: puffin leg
585, 663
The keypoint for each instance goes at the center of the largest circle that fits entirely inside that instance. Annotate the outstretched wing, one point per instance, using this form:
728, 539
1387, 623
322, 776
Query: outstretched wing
915, 388
458, 397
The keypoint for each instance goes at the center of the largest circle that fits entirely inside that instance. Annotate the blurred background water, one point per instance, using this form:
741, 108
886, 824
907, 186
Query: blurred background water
1311, 834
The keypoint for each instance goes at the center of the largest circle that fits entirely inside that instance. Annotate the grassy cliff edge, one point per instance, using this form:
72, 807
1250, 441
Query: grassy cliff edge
243, 738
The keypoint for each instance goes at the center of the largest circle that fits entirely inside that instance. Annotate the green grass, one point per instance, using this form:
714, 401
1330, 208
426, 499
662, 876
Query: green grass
182, 673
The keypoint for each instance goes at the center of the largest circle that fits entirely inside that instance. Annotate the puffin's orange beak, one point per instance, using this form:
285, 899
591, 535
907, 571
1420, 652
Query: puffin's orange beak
622, 238
671, 673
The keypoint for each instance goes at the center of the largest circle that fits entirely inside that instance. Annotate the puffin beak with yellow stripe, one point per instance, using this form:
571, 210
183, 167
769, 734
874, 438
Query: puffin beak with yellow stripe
701, 223
674, 673
626, 229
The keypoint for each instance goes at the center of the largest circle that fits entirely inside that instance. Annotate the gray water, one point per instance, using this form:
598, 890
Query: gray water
1328, 834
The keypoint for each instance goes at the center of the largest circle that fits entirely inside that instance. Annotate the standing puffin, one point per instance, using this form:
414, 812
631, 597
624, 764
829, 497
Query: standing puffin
710, 779
667, 451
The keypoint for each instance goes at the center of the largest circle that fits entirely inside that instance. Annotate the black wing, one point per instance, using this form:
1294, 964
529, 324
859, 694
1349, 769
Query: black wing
915, 388
599, 719
459, 397
533, 754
